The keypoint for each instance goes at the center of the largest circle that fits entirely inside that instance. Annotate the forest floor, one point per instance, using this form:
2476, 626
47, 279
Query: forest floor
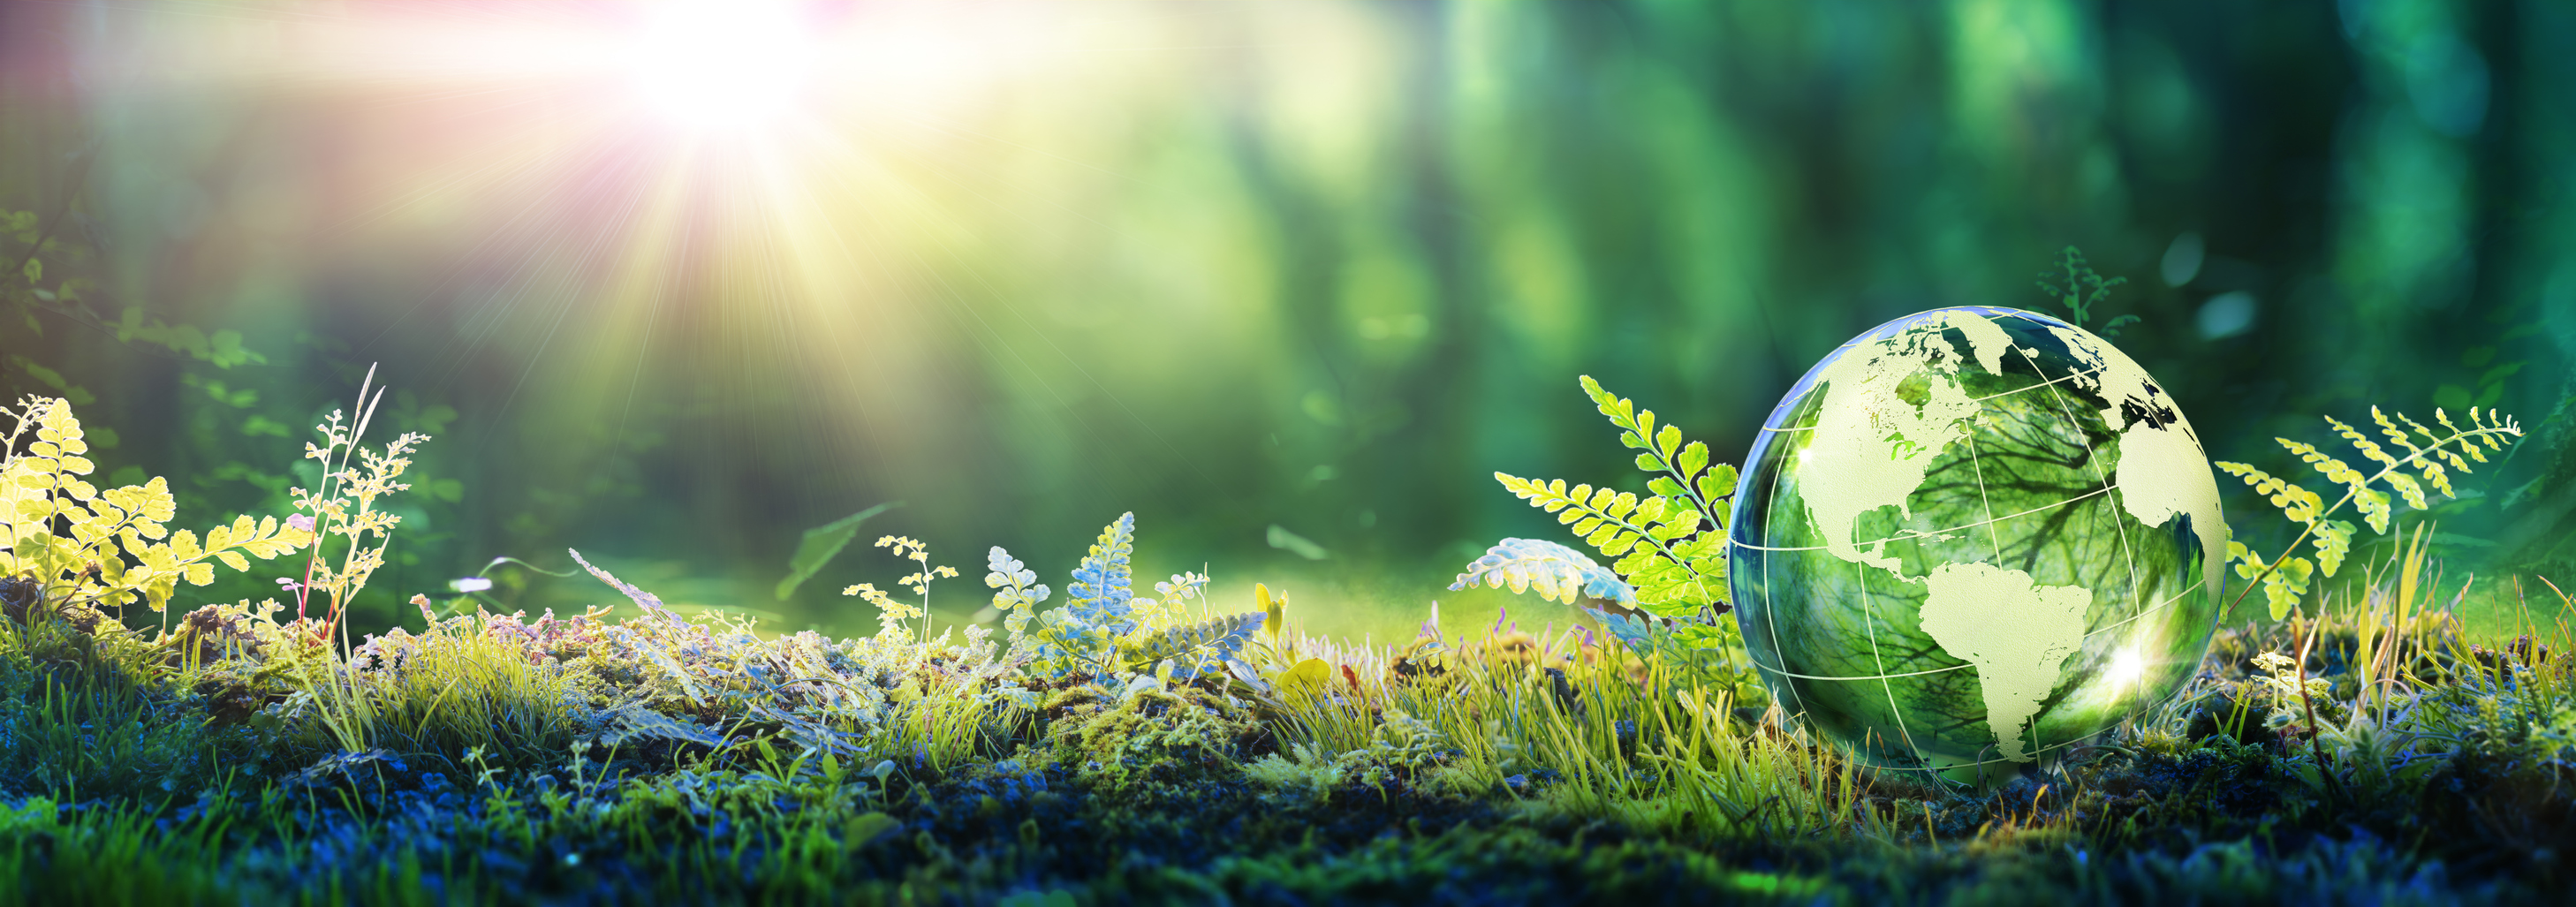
490, 759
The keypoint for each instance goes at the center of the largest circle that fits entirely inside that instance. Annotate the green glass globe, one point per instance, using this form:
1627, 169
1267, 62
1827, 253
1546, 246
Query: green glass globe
1973, 537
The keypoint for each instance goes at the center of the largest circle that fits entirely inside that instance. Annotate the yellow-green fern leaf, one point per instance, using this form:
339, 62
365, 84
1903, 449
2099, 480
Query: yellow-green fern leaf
2374, 508
1642, 534
2406, 488
2334, 542
2286, 585
2362, 443
2441, 480
2284, 581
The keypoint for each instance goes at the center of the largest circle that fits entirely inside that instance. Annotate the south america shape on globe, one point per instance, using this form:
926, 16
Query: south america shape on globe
1971, 537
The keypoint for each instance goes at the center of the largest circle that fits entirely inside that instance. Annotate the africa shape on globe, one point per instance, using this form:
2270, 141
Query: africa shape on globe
1972, 537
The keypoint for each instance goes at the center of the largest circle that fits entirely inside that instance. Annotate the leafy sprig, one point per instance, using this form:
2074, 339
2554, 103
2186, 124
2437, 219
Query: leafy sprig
2432, 455
1670, 545
1105, 629
1019, 592
345, 505
1101, 584
110, 548
2082, 290
891, 613
1199, 648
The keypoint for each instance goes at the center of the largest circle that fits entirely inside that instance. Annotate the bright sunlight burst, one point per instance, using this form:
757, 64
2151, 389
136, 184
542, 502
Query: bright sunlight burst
702, 63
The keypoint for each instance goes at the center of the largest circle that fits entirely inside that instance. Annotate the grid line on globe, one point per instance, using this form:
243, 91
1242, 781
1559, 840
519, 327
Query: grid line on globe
1888, 607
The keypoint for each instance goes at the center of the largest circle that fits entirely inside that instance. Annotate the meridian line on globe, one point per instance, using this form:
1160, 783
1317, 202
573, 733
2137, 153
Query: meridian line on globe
1993, 534
1869, 622
2017, 662
1865, 427
2092, 456
1772, 503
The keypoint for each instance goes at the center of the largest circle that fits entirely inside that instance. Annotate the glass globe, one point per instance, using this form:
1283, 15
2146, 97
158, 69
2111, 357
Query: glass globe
1973, 537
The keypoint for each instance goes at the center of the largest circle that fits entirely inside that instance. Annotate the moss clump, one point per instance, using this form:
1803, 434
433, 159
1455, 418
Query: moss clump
1148, 735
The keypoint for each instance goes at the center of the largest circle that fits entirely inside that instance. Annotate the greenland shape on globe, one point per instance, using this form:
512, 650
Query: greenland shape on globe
1895, 405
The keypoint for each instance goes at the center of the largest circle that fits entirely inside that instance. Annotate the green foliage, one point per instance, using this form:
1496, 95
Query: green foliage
891, 613
222, 349
91, 547
345, 505
2285, 578
1671, 545
2076, 287
39, 239
821, 543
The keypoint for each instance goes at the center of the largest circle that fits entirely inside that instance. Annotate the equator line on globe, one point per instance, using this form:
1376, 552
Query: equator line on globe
1973, 537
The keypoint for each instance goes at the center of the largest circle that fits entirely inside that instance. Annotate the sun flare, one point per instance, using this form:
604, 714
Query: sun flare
702, 64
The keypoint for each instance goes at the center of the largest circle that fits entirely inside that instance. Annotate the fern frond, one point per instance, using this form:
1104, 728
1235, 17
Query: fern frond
1558, 573
1685, 473
1101, 584
1675, 568
2285, 578
2084, 288
115, 547
1198, 648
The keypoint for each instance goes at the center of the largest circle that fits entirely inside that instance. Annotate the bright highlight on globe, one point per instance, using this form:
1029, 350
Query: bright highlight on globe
1972, 537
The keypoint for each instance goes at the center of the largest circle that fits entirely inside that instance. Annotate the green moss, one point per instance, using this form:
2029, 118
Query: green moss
1148, 735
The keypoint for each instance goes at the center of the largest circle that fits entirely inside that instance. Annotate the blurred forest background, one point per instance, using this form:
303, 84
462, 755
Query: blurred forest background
1289, 280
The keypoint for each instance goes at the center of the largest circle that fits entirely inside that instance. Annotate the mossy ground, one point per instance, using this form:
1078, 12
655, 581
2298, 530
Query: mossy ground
156, 772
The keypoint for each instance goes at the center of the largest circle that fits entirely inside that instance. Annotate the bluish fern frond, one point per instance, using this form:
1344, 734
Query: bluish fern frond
1101, 584
1558, 573
1199, 648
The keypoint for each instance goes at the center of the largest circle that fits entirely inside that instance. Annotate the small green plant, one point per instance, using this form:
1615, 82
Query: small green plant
890, 613
2285, 578
345, 505
2079, 289
1017, 592
88, 547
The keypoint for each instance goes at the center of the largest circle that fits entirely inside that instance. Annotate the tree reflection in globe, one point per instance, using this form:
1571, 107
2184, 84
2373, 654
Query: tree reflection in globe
1972, 537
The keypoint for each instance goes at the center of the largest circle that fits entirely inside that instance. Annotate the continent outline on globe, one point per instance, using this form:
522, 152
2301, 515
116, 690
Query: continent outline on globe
2099, 604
